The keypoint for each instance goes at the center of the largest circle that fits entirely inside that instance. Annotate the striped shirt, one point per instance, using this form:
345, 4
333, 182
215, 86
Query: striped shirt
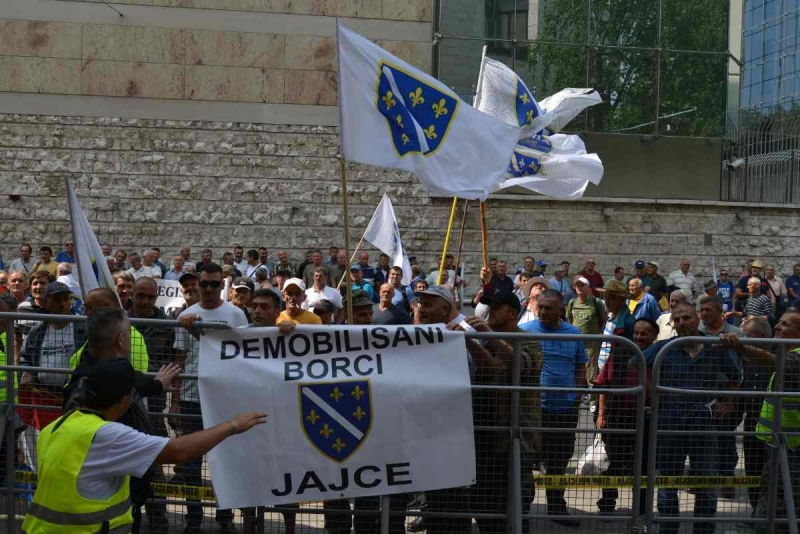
759, 306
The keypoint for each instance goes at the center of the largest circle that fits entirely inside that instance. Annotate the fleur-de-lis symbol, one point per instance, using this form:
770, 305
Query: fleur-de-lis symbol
416, 97
339, 445
430, 132
359, 413
326, 431
312, 417
524, 98
399, 121
529, 116
439, 109
336, 395
357, 391
405, 139
388, 100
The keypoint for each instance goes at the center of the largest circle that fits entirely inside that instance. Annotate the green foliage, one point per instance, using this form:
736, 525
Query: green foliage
613, 46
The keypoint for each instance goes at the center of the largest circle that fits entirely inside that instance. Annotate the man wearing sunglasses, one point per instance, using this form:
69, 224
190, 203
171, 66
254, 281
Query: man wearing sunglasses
210, 309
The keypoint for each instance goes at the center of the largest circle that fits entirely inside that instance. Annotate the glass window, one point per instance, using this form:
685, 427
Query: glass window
459, 63
563, 21
625, 79
489, 19
551, 68
769, 91
694, 25
772, 9
624, 22
772, 35
693, 94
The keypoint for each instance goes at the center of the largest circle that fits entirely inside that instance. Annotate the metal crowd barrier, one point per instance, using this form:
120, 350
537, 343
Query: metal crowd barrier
637, 518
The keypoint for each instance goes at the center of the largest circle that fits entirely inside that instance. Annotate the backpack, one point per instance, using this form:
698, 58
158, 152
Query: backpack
600, 316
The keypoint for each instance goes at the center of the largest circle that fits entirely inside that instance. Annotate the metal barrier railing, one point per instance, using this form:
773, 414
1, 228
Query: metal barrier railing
778, 457
641, 514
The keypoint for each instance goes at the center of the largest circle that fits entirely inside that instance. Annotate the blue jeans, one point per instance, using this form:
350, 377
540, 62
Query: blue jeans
670, 459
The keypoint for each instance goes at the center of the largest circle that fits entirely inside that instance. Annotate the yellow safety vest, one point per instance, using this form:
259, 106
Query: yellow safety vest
790, 418
57, 506
139, 357
3, 361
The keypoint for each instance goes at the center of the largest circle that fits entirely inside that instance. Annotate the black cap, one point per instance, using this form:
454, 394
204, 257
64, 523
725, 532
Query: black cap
186, 276
503, 297
57, 288
111, 379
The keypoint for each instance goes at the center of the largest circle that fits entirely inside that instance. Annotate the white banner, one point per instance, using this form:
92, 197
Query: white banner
169, 295
352, 412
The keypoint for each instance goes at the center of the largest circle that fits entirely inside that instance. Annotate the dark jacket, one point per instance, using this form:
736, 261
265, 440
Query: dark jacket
31, 356
159, 340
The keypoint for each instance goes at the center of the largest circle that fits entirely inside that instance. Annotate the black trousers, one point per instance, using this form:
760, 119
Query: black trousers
490, 493
338, 523
756, 452
365, 524
557, 449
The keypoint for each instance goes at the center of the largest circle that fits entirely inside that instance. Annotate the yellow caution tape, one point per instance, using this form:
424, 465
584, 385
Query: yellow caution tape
203, 493
567, 481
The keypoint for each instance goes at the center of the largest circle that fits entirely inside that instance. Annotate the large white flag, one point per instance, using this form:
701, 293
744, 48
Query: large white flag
93, 271
551, 164
383, 233
395, 115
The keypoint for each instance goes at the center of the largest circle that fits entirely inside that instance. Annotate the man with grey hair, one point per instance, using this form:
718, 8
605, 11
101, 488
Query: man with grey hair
683, 279
139, 269
65, 276
665, 328
713, 318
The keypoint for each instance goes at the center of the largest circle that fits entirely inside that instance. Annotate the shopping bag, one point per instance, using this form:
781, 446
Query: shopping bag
595, 460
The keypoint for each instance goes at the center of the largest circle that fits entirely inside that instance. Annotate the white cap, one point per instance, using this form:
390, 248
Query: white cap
294, 282
654, 263
582, 280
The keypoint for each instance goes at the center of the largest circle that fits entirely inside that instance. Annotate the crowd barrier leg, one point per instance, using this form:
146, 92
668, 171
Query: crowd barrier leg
774, 468
788, 494
515, 508
10, 435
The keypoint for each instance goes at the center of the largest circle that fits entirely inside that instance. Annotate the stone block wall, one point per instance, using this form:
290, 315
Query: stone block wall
168, 183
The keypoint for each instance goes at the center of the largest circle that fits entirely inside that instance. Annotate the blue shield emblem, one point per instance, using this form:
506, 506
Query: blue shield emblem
527, 107
523, 165
336, 416
419, 115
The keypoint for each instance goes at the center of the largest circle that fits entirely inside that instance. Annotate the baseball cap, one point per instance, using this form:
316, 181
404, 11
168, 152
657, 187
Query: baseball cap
245, 282
355, 267
294, 282
360, 298
186, 276
503, 297
442, 292
709, 284
639, 264
324, 305
758, 264
57, 288
583, 280
111, 379
653, 263
541, 263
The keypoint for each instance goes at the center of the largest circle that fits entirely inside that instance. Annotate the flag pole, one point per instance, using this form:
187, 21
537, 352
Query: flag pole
71, 209
484, 230
461, 236
440, 278
352, 259
343, 170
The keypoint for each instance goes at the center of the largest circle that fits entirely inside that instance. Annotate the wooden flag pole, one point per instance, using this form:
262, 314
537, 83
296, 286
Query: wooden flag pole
461, 237
440, 278
346, 215
484, 236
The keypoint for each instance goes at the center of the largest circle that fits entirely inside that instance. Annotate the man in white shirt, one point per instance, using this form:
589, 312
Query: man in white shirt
25, 262
139, 269
252, 265
66, 277
683, 279
210, 309
319, 291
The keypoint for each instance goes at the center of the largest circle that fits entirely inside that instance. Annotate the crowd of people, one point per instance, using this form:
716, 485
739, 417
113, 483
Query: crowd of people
644, 307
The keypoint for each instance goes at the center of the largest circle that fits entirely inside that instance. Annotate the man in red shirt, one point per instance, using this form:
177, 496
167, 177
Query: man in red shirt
595, 279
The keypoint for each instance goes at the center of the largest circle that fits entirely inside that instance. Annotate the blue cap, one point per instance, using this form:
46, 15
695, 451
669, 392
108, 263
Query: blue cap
541, 263
355, 267
640, 264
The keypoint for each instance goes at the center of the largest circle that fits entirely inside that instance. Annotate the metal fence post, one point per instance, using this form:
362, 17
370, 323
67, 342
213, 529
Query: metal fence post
385, 506
10, 436
652, 442
515, 465
772, 490
638, 447
791, 513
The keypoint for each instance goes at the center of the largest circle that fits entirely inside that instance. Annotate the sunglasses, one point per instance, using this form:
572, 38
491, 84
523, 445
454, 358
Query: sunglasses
206, 283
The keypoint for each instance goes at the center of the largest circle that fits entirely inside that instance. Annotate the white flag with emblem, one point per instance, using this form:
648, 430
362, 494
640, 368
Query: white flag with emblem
546, 162
383, 233
394, 115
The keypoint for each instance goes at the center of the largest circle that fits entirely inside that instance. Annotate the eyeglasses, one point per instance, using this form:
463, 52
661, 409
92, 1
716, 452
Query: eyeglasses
213, 285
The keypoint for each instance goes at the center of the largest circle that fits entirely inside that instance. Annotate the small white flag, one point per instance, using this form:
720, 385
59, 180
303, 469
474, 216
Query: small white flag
394, 115
383, 233
556, 165
93, 271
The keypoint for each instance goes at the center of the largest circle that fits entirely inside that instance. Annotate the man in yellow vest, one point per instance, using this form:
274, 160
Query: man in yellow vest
85, 458
787, 328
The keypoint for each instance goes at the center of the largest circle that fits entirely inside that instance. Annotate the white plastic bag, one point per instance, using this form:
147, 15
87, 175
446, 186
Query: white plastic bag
595, 460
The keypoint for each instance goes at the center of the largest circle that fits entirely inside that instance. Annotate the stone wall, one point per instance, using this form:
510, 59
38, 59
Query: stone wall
168, 183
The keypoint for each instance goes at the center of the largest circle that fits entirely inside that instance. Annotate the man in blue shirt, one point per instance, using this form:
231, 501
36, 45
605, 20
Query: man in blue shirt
68, 254
695, 367
726, 290
793, 285
564, 365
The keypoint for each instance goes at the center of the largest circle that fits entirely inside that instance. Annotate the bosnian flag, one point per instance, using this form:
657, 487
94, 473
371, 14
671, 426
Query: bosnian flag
549, 163
383, 233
